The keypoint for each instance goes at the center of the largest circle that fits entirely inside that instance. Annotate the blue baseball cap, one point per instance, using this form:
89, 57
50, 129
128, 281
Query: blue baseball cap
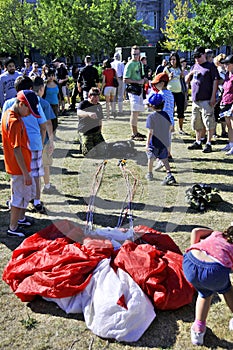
155, 99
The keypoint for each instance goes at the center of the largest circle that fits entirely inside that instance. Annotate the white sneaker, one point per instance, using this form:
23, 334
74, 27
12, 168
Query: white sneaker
230, 152
226, 148
231, 324
197, 338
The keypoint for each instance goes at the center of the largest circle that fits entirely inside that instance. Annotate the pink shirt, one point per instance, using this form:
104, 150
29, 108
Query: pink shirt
216, 246
227, 97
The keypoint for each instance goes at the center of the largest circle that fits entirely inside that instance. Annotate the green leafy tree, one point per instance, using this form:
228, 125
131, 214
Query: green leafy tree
16, 34
207, 23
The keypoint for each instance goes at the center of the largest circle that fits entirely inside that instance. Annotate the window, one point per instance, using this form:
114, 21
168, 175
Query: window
149, 17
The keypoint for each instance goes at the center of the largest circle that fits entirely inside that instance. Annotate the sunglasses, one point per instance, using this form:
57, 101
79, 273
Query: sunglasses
198, 55
94, 94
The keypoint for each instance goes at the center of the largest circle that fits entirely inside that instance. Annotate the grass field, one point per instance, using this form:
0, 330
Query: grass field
40, 325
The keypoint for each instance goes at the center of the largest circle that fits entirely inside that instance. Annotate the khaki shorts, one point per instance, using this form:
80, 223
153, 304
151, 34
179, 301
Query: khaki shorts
46, 157
136, 103
20, 193
202, 116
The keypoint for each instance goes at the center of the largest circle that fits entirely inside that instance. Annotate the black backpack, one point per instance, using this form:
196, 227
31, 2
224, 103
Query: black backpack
200, 196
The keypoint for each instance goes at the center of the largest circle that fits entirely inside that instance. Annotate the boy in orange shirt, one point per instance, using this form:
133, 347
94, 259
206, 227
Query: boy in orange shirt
17, 158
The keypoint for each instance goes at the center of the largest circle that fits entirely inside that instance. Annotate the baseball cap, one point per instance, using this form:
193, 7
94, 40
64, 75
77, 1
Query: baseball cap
155, 99
228, 59
160, 77
31, 101
198, 51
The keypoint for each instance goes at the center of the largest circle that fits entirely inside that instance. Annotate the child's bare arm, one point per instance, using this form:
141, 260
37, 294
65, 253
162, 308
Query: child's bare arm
149, 136
198, 233
22, 165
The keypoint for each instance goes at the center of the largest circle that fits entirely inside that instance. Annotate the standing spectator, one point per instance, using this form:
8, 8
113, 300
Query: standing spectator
90, 124
148, 74
222, 73
185, 71
36, 129
88, 78
119, 68
209, 55
27, 67
75, 74
161, 66
158, 138
174, 72
226, 106
35, 72
204, 84
1, 66
134, 75
109, 91
17, 158
62, 78
47, 156
7, 80
44, 71
207, 265
52, 95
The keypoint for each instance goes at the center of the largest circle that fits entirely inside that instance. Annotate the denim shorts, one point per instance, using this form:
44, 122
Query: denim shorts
206, 277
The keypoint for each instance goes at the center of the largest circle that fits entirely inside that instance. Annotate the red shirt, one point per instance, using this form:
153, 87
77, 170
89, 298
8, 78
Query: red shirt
109, 74
14, 135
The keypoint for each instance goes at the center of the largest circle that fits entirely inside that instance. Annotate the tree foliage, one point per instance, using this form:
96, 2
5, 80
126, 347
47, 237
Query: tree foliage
208, 23
65, 27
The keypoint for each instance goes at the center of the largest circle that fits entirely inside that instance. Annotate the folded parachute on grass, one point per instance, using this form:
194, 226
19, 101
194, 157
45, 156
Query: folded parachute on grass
114, 289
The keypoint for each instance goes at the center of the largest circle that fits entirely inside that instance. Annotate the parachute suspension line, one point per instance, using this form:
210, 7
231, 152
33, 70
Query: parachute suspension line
127, 210
94, 190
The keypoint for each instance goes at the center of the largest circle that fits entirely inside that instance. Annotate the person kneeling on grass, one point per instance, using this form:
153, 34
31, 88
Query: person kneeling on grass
90, 124
158, 138
207, 265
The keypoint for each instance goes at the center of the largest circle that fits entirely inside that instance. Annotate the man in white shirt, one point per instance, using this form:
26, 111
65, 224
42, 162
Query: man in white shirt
119, 68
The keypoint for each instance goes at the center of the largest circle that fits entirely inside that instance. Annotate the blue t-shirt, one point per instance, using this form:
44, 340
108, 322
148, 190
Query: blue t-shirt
32, 125
48, 112
160, 123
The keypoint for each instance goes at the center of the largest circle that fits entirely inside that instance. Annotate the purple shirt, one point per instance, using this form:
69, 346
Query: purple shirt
202, 82
227, 97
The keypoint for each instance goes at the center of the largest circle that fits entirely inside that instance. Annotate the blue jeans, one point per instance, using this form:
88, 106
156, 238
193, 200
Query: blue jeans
206, 277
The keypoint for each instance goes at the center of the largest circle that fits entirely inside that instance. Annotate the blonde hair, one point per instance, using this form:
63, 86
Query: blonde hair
218, 58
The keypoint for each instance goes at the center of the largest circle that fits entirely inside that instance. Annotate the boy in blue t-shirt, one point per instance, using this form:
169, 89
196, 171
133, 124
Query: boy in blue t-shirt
158, 138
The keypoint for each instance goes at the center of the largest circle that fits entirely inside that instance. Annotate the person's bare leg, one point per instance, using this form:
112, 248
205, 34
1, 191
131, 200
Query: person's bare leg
202, 308
229, 298
16, 214
134, 122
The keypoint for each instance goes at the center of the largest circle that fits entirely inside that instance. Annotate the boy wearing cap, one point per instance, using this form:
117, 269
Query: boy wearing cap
158, 138
17, 157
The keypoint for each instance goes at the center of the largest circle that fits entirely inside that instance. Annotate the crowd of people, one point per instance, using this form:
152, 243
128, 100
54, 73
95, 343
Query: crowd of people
32, 99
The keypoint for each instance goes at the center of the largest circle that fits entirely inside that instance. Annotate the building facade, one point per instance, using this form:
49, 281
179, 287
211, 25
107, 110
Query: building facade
153, 13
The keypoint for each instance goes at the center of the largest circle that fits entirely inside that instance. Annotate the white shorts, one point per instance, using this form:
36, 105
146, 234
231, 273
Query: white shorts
109, 91
136, 103
64, 91
21, 194
37, 164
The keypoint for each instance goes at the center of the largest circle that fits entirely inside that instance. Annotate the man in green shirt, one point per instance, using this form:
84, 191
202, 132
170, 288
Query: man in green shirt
134, 78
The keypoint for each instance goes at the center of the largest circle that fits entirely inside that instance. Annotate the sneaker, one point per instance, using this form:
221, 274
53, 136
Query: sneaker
195, 145
226, 148
207, 148
149, 176
230, 152
169, 180
182, 132
141, 135
39, 208
19, 232
197, 338
26, 222
50, 190
231, 324
170, 159
159, 165
138, 137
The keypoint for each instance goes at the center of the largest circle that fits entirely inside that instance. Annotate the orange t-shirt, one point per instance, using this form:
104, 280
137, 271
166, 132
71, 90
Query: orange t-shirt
14, 135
